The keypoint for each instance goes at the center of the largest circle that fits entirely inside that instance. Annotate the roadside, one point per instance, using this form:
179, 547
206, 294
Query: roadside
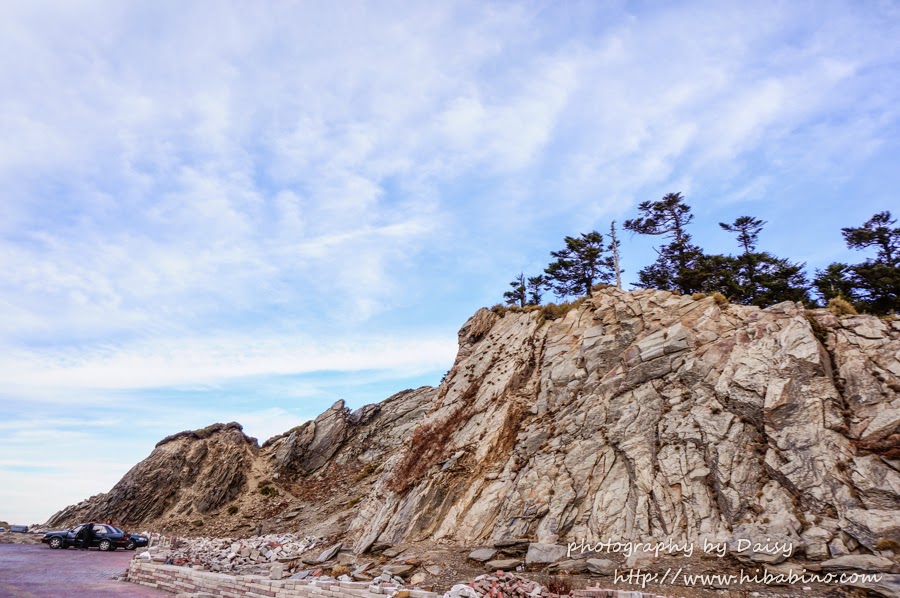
35, 571
20, 538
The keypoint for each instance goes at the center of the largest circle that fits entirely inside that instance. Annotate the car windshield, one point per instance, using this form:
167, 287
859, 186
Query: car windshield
118, 530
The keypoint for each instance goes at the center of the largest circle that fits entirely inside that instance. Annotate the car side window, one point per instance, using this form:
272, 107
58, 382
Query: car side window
78, 529
100, 529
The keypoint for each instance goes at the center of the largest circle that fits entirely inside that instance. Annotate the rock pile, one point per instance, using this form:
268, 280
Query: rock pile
240, 556
503, 585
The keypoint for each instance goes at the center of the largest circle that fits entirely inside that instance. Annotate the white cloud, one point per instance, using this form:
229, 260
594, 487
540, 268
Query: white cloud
162, 363
218, 193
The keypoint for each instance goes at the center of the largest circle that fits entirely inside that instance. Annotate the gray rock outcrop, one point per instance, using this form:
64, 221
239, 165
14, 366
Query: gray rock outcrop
634, 416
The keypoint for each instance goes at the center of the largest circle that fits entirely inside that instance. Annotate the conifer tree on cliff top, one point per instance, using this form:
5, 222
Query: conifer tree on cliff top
535, 286
579, 266
873, 285
517, 296
760, 278
680, 264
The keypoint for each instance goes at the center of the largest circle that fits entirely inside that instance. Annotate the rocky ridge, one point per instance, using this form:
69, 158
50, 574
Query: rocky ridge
635, 416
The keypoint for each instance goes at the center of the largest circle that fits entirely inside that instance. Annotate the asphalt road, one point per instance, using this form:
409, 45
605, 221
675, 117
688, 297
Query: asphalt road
30, 571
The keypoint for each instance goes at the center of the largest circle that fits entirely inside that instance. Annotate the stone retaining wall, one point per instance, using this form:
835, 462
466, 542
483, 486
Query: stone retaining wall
178, 580
186, 580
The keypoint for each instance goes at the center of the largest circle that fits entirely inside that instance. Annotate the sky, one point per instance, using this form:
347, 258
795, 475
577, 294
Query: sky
245, 211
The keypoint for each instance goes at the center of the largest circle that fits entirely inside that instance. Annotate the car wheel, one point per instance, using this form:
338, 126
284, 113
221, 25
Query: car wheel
56, 542
105, 545
130, 545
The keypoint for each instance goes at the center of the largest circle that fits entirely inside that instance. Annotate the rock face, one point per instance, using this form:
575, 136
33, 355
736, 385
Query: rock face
189, 473
635, 416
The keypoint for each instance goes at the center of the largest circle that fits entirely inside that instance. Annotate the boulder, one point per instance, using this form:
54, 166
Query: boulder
543, 554
868, 526
461, 590
482, 555
503, 564
601, 566
329, 553
396, 569
858, 562
815, 543
763, 544
568, 566
887, 585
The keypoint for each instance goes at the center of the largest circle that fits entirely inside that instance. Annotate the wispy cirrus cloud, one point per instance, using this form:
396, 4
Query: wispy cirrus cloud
235, 197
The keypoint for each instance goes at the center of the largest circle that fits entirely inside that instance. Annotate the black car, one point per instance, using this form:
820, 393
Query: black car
133, 541
106, 537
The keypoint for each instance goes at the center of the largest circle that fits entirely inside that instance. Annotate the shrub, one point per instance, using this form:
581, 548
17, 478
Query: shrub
197, 523
233, 509
841, 307
500, 309
365, 472
552, 311
339, 570
699, 296
559, 585
268, 491
888, 544
720, 298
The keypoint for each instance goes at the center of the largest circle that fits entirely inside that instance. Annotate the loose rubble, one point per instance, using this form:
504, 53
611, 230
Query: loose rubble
498, 585
240, 556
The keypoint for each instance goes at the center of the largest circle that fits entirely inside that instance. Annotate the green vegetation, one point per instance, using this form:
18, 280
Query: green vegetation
751, 277
873, 285
518, 295
679, 265
841, 307
365, 472
579, 265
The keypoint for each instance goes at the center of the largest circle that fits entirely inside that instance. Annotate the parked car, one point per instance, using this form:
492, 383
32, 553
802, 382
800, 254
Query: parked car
2, 529
134, 540
18, 528
106, 537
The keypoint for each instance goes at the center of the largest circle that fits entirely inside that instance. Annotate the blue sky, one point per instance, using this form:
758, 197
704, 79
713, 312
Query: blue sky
220, 211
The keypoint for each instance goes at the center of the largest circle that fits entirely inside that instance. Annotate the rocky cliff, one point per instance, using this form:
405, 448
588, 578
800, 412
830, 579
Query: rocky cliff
635, 415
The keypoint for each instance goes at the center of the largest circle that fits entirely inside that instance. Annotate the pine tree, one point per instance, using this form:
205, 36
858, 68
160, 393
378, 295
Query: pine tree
760, 278
535, 287
579, 265
877, 281
517, 295
679, 264
836, 280
877, 232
